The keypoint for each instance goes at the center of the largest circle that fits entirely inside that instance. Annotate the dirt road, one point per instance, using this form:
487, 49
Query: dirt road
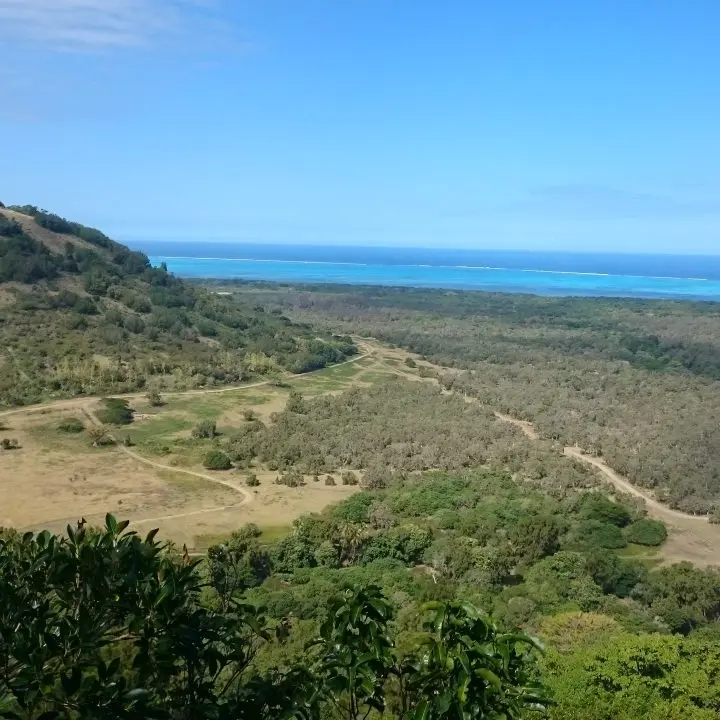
85, 400
691, 537
246, 495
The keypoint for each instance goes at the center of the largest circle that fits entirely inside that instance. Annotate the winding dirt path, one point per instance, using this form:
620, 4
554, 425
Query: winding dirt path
246, 495
84, 404
691, 538
85, 400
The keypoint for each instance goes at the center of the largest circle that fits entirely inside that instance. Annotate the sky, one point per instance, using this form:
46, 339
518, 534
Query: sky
555, 125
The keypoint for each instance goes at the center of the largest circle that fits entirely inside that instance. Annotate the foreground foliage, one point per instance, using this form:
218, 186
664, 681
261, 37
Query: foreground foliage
102, 623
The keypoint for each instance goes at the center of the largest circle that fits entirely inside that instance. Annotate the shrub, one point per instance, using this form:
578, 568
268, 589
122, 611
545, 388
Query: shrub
71, 425
292, 478
9, 444
330, 480
410, 362
205, 429
217, 460
605, 535
252, 480
99, 437
155, 399
646, 532
349, 478
595, 506
249, 414
295, 403
115, 412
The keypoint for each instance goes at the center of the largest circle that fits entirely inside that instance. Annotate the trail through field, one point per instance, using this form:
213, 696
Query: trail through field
692, 537
82, 402
246, 495
86, 405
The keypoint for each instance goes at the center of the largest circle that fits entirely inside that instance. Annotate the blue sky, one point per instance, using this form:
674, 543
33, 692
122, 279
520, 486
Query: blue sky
516, 124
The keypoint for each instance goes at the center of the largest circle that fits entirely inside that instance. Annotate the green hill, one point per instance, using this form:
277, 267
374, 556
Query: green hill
83, 314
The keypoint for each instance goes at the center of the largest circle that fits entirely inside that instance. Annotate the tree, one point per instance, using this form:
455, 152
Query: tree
217, 460
252, 480
646, 532
467, 669
354, 653
349, 478
238, 564
295, 402
597, 506
155, 399
115, 412
636, 678
99, 436
205, 429
101, 623
534, 537
459, 667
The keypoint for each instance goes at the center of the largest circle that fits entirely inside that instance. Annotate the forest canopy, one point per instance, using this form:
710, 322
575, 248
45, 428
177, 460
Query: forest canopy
636, 381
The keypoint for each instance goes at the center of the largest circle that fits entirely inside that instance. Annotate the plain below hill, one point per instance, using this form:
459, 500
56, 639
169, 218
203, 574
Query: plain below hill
83, 314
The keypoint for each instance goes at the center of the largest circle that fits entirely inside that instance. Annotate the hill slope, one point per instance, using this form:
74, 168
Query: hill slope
81, 313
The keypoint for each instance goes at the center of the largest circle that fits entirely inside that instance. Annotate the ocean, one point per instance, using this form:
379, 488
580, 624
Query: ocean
694, 277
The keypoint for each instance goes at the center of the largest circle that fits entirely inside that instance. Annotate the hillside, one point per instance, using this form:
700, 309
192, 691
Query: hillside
83, 314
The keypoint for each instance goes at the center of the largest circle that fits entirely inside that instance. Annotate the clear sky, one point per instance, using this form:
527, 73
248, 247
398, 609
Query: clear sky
553, 124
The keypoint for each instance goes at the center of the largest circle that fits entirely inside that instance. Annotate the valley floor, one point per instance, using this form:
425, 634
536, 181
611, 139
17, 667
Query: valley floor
56, 479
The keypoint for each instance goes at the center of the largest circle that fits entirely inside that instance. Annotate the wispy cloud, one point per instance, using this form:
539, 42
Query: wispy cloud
81, 25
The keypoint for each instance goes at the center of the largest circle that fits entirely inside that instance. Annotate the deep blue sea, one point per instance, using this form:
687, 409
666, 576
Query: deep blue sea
542, 273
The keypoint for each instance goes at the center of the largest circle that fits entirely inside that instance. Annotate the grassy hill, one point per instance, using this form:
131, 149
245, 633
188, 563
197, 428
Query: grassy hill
83, 314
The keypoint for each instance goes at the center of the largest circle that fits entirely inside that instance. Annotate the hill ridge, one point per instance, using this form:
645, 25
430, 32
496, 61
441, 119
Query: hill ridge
84, 314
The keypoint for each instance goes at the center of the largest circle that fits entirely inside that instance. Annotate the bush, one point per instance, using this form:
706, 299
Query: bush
646, 532
217, 460
595, 506
252, 480
410, 362
249, 414
605, 535
330, 480
349, 478
205, 429
155, 399
9, 444
115, 412
292, 478
71, 425
295, 403
99, 437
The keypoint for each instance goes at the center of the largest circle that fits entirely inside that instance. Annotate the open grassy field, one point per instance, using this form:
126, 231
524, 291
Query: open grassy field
57, 476
158, 479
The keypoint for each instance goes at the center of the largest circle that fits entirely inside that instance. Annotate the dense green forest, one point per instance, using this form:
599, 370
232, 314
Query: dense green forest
82, 314
633, 380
